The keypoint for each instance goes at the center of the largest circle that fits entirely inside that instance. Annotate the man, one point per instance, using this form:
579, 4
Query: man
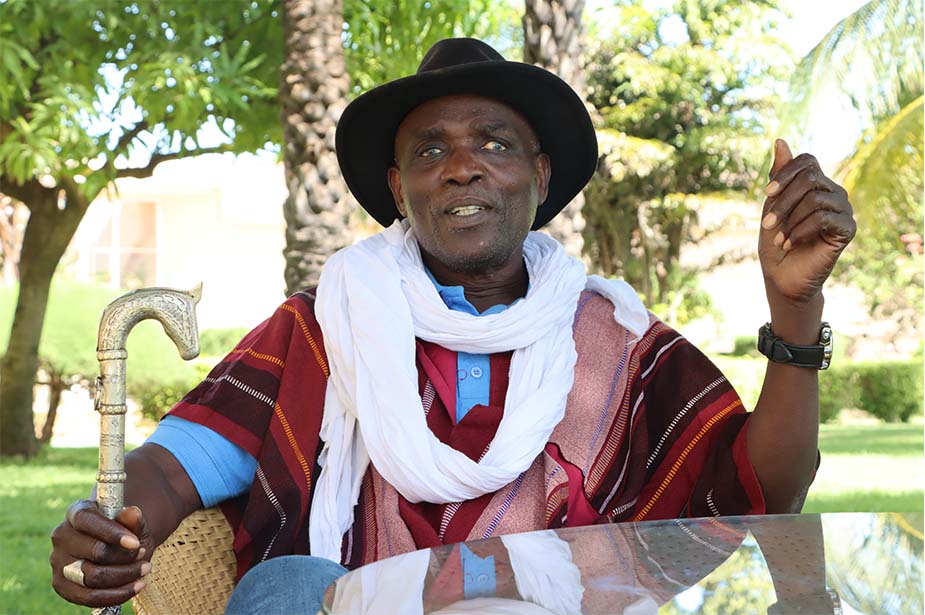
457, 377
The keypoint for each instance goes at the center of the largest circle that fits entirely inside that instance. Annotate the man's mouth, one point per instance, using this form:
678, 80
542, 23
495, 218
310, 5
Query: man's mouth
466, 210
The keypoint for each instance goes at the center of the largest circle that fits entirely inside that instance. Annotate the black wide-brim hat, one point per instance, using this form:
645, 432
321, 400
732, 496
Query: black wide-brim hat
366, 131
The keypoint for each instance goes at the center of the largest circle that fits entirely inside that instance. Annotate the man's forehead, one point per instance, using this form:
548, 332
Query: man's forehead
480, 111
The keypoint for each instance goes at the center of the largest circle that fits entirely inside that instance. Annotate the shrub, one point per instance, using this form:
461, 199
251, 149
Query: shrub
156, 375
219, 342
891, 390
838, 389
745, 346
745, 374
156, 397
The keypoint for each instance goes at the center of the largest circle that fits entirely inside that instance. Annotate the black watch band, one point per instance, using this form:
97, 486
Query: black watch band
816, 356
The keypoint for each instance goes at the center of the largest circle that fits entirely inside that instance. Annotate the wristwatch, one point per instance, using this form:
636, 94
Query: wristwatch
816, 356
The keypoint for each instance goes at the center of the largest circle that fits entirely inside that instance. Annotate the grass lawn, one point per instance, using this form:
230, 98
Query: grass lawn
869, 467
865, 467
33, 498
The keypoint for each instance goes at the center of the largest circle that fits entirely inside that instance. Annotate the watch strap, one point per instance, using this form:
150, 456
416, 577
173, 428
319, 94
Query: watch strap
815, 356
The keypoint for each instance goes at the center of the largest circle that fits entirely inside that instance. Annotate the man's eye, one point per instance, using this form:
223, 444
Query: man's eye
429, 152
495, 146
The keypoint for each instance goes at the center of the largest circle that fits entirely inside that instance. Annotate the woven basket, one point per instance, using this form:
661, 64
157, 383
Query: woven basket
193, 570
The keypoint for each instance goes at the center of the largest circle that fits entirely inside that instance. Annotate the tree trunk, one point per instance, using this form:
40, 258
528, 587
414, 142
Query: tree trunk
553, 40
56, 387
48, 233
313, 91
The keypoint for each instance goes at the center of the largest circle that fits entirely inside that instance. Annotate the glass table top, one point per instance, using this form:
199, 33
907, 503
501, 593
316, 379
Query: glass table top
844, 563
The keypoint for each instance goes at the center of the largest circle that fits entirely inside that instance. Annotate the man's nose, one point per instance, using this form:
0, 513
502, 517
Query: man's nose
461, 166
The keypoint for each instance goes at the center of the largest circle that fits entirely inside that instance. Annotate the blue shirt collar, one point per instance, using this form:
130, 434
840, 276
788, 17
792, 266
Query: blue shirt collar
455, 298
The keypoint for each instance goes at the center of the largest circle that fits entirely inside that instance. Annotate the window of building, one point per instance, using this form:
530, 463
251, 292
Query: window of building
125, 253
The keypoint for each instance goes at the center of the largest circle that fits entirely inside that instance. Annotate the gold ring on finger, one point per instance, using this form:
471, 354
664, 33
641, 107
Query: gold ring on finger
74, 573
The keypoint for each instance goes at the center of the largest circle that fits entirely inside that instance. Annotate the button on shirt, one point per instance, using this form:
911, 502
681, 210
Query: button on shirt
473, 371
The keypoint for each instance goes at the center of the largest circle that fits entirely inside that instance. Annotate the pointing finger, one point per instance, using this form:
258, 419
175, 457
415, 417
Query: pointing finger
782, 155
783, 177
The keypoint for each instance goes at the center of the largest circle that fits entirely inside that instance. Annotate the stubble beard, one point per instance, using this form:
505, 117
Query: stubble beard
476, 264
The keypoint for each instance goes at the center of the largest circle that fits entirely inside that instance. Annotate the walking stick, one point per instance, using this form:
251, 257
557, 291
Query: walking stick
176, 311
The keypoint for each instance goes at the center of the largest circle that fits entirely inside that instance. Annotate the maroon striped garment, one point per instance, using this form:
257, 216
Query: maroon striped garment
652, 430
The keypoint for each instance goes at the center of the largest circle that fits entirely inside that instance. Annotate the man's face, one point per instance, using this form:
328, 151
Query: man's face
469, 177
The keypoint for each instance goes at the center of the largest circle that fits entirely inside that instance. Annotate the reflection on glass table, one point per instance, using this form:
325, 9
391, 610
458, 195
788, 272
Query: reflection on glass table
844, 563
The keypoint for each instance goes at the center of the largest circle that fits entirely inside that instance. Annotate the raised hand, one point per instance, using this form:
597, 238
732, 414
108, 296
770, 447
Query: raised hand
112, 555
806, 223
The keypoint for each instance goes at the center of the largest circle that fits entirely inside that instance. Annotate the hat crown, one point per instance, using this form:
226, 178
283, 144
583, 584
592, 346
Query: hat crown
455, 51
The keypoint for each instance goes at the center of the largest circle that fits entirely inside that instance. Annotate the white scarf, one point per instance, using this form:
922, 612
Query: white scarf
373, 299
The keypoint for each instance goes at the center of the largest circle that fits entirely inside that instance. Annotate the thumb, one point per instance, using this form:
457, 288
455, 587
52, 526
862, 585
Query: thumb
782, 155
133, 520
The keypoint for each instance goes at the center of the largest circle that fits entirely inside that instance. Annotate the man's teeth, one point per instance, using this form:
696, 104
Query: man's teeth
468, 210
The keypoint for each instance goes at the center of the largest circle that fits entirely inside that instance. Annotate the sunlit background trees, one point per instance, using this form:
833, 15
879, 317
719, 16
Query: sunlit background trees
686, 96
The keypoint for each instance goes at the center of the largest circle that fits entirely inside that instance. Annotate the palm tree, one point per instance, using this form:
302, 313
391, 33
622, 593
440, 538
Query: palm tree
553, 40
874, 57
313, 92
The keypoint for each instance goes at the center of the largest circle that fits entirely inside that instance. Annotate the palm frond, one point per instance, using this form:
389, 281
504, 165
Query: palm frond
873, 57
883, 177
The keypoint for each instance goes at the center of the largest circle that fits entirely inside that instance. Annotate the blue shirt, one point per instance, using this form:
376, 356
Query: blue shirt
220, 469
473, 371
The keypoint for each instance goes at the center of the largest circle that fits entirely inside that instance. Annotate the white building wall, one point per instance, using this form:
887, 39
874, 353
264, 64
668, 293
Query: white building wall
219, 221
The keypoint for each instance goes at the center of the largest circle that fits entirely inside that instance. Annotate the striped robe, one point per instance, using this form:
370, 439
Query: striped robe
652, 430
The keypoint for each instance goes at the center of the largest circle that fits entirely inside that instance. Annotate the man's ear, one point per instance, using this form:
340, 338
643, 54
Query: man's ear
398, 192
543, 173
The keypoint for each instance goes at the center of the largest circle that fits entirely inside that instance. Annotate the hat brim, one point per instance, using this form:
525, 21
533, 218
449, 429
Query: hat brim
366, 131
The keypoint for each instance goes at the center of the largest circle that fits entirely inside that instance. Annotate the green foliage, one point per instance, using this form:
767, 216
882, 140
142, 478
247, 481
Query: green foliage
889, 390
156, 396
685, 300
156, 376
885, 183
877, 439
387, 40
76, 76
838, 389
873, 60
745, 374
85, 84
745, 346
69, 344
219, 342
683, 129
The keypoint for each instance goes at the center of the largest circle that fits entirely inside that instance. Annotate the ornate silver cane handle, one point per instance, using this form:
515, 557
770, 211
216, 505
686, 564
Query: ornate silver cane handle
176, 311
